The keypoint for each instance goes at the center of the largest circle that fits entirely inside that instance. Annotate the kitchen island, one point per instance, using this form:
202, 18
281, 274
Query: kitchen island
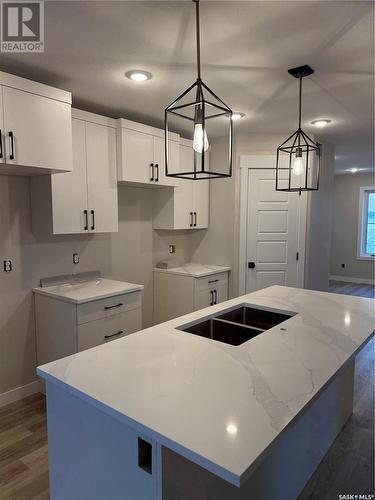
186, 410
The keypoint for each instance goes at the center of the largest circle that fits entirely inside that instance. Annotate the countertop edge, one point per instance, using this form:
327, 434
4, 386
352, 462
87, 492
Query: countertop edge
136, 288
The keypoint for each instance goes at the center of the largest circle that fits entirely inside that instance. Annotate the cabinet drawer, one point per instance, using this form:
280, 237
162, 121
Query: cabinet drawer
208, 282
104, 308
108, 329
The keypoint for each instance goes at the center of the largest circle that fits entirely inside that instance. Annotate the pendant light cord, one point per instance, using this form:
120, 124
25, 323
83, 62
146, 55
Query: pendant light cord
197, 25
300, 102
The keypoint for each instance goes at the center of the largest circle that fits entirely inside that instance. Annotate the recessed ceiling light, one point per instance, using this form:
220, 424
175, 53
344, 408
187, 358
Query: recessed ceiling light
237, 115
354, 170
138, 75
320, 123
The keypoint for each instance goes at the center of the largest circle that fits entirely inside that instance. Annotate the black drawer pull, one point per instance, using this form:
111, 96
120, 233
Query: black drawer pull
145, 455
93, 220
212, 298
191, 219
1, 143
11, 156
215, 296
195, 219
152, 172
157, 172
113, 334
213, 281
112, 307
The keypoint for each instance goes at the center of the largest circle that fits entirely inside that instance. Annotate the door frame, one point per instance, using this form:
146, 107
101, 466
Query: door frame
262, 162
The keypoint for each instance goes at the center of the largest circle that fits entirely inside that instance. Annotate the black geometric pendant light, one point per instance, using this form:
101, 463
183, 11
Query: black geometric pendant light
204, 115
298, 158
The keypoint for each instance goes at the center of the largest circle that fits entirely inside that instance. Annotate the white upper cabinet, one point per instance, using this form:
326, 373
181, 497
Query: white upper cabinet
36, 135
85, 200
187, 206
140, 154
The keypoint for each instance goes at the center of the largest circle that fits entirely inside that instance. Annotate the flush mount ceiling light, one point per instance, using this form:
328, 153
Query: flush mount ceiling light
138, 75
320, 123
298, 158
204, 114
354, 170
237, 115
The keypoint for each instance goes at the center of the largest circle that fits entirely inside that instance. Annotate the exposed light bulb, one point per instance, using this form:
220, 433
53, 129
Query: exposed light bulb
298, 165
200, 140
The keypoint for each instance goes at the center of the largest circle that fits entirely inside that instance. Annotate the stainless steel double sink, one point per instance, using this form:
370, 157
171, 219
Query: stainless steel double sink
238, 325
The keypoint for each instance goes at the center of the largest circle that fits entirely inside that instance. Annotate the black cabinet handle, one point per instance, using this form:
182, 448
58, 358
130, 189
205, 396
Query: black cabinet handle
86, 220
145, 455
191, 219
113, 334
152, 172
251, 265
11, 156
195, 219
112, 307
215, 296
1, 143
213, 281
212, 298
157, 172
93, 219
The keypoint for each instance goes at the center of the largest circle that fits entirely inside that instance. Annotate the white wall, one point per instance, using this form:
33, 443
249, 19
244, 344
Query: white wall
345, 227
127, 255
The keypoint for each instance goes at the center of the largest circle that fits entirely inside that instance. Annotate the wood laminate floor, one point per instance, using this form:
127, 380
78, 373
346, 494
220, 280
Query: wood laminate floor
348, 467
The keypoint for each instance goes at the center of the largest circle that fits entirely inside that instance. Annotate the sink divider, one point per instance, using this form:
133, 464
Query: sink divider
237, 324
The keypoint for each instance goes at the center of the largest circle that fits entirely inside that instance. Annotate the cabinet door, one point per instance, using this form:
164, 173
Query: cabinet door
203, 299
69, 190
220, 293
107, 329
183, 194
159, 160
201, 203
101, 178
41, 128
137, 156
2, 136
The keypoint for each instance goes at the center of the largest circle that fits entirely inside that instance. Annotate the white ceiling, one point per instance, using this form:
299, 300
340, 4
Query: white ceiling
247, 48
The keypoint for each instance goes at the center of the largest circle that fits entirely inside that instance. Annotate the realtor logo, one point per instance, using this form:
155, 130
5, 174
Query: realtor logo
22, 26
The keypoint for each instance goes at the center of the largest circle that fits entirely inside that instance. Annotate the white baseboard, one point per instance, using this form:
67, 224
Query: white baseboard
349, 279
19, 393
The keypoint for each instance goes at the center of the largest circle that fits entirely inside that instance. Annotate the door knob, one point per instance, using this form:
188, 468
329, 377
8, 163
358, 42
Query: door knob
251, 265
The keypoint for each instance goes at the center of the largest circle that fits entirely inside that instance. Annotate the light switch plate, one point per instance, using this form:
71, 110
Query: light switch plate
172, 248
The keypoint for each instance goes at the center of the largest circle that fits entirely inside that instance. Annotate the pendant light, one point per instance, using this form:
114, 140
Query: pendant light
200, 115
298, 158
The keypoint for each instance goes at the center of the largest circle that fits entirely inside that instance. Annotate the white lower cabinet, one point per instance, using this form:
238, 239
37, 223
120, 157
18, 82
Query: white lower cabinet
85, 200
187, 206
64, 328
178, 294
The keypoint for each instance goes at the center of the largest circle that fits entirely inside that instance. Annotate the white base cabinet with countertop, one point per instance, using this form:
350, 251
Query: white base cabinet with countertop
85, 200
72, 318
187, 206
188, 288
140, 154
35, 127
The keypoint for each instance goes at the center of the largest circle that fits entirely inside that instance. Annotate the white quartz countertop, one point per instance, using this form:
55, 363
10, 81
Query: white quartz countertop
194, 270
219, 405
88, 291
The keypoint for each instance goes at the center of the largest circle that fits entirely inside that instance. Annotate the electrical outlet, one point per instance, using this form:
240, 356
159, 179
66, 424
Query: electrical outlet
7, 265
75, 258
172, 248
343, 266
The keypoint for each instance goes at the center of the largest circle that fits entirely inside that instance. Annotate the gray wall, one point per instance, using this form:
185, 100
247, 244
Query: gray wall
127, 255
319, 228
345, 227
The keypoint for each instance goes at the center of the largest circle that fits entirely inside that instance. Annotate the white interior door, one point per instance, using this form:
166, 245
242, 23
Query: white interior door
69, 190
101, 178
273, 248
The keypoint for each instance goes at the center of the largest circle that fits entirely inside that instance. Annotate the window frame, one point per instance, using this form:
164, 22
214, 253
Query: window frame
362, 223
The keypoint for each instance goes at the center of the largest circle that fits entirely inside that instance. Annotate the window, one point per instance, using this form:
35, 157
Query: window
366, 228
